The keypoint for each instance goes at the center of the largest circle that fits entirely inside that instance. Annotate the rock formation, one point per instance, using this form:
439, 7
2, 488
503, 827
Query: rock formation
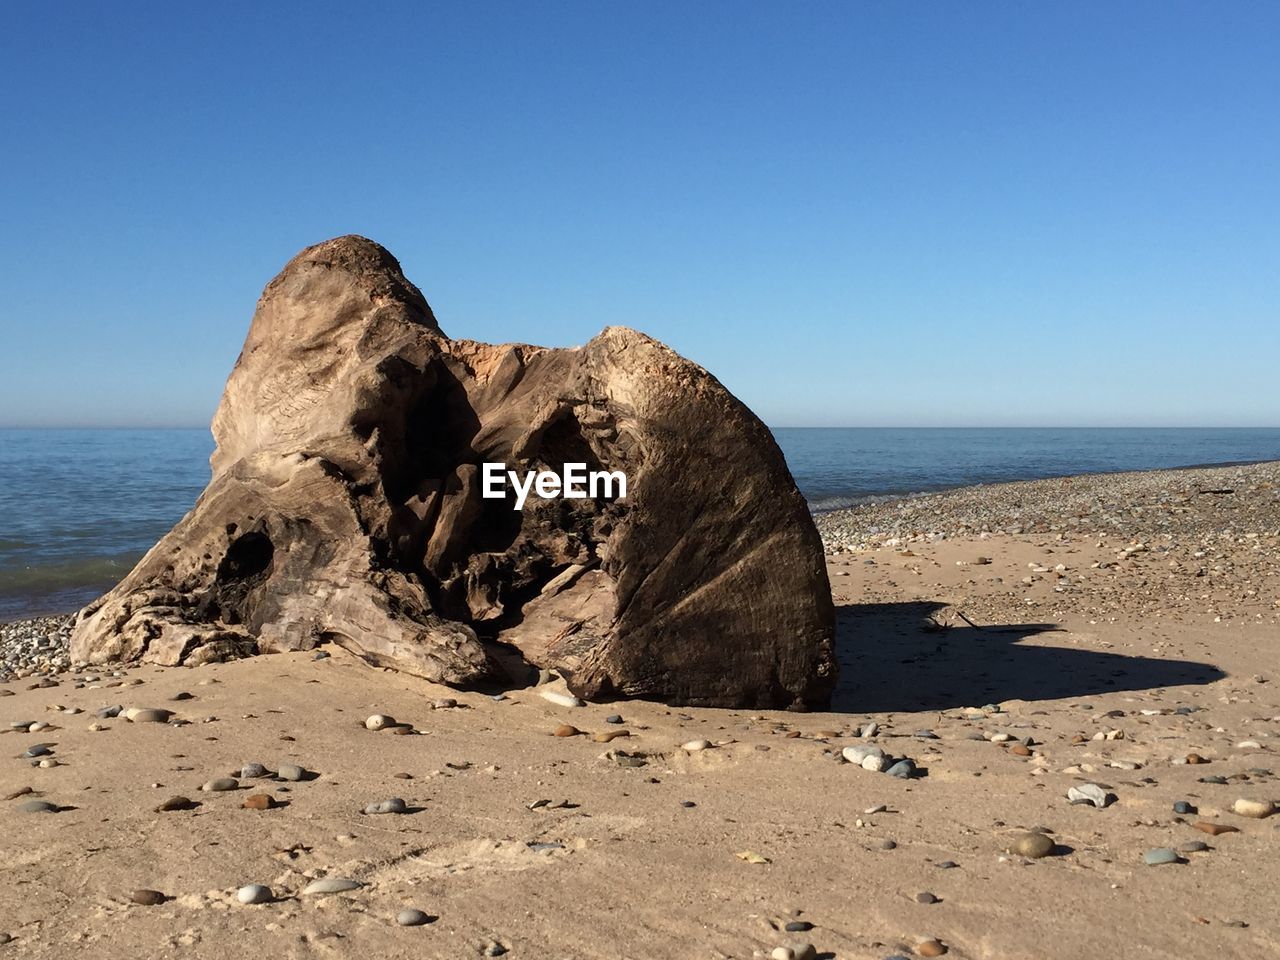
346, 506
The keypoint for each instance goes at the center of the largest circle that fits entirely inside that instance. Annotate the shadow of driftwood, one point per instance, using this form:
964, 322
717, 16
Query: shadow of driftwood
891, 660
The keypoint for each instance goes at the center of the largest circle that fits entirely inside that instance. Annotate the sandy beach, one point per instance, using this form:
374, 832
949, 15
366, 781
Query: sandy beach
1013, 641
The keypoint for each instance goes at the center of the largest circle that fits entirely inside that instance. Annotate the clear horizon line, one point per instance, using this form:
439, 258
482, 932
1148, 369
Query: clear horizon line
788, 426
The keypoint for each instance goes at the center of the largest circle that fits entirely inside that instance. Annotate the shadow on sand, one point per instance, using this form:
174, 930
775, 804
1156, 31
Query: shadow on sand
890, 661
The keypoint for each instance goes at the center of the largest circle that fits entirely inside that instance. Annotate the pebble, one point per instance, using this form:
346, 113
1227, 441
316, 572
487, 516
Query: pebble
394, 805
1153, 858
258, 801
148, 898
38, 806
797, 926
609, 736
220, 784
930, 948
887, 845
379, 721
904, 769
109, 713
38, 750
252, 771
567, 730
1090, 793
926, 897
1183, 807
1032, 845
1195, 846
412, 918
613, 718
859, 752
444, 703
291, 771
147, 715
693, 746
494, 949
331, 885
794, 951
175, 803
1257, 809
1214, 829
255, 893
560, 699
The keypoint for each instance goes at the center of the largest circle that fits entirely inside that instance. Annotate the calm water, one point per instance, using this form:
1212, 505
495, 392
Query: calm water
79, 507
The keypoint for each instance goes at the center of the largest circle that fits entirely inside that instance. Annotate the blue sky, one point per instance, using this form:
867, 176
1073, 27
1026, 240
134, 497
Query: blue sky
851, 213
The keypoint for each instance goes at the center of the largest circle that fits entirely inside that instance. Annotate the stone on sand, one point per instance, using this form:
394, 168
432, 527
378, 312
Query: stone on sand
1033, 845
1257, 809
255, 893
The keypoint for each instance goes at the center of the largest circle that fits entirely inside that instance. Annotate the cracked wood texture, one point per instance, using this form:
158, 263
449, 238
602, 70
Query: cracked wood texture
345, 507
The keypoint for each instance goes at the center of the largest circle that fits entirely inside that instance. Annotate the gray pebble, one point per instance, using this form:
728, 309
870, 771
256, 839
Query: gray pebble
887, 845
148, 716
291, 771
252, 771
220, 784
1159, 855
1194, 846
613, 718
926, 897
108, 713
904, 769
394, 805
494, 949
797, 926
38, 750
1183, 807
412, 918
38, 806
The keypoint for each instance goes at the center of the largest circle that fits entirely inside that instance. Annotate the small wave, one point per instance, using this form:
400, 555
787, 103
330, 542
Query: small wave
86, 572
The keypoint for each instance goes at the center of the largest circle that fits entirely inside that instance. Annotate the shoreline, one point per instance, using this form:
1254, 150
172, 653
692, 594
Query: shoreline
1051, 503
893, 496
840, 526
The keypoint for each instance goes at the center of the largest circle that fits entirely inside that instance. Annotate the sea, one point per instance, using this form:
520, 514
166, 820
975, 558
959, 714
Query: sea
79, 507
